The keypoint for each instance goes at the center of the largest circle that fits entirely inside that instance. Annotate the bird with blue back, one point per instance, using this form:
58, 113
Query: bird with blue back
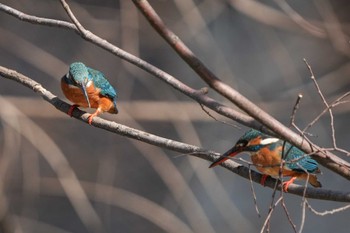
274, 157
89, 88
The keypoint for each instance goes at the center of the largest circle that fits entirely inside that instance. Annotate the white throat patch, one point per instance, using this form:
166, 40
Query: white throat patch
267, 141
89, 83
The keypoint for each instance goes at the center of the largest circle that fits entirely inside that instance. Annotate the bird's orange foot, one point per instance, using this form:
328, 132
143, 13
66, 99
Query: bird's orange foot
71, 109
287, 183
263, 180
90, 119
92, 116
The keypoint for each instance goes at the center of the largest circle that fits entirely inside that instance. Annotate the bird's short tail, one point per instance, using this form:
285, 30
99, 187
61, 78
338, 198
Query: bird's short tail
314, 182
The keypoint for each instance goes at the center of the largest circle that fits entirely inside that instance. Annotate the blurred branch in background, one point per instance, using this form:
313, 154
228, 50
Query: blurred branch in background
303, 23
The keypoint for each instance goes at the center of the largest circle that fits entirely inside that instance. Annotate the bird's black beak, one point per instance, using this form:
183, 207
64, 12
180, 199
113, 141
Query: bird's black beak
83, 87
228, 154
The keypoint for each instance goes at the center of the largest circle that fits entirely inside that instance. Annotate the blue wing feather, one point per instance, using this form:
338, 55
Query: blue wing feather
298, 160
102, 83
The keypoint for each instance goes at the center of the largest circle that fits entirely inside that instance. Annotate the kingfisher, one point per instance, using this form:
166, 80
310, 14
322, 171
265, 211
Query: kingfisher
267, 153
89, 88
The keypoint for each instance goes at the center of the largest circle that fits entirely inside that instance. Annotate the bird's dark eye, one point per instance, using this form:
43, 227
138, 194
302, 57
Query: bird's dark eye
241, 143
70, 77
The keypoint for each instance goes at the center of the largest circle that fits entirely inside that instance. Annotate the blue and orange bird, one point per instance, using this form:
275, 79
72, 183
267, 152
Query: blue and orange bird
89, 88
266, 154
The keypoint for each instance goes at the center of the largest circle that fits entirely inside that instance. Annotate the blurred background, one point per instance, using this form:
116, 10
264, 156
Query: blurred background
60, 175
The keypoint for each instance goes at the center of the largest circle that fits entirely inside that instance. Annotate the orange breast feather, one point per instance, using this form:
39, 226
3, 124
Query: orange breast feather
75, 94
267, 161
98, 101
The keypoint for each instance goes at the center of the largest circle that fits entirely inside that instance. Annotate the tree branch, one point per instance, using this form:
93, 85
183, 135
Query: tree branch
325, 158
169, 144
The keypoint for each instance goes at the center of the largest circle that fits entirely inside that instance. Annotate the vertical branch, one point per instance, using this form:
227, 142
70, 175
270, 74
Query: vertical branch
324, 102
295, 108
253, 191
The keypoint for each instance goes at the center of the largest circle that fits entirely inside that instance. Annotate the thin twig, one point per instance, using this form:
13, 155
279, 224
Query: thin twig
315, 82
328, 107
284, 206
335, 103
268, 217
303, 205
216, 119
303, 215
273, 204
254, 194
327, 212
295, 108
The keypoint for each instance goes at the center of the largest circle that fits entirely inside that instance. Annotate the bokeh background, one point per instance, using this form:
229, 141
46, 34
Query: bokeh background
51, 164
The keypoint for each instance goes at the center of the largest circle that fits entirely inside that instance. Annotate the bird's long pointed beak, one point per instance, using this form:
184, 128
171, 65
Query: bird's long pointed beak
83, 86
228, 154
